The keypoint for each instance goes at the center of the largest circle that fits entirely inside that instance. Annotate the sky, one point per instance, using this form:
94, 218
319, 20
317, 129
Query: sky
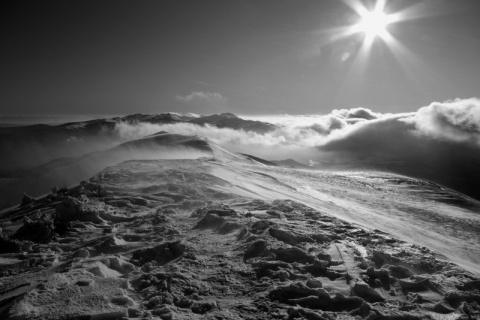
246, 57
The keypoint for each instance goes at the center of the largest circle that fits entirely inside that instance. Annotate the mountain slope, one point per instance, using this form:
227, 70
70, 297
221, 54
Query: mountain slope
67, 171
229, 120
223, 238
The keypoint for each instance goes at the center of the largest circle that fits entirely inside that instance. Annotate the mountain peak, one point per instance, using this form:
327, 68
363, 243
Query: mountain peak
228, 115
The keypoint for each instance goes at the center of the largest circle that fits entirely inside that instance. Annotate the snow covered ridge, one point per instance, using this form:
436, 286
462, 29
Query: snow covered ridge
226, 237
70, 170
439, 142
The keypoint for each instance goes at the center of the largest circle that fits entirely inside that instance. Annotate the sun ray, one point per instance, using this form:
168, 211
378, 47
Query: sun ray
412, 66
371, 29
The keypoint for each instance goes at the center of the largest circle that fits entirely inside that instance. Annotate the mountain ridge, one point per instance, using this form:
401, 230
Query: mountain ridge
223, 238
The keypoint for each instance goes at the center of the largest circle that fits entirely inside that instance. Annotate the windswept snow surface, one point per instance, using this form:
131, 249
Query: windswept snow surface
413, 210
230, 238
416, 211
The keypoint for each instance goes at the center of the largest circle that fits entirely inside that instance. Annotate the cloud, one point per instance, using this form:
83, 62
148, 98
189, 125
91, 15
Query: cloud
457, 120
185, 115
440, 142
208, 101
279, 144
321, 124
356, 113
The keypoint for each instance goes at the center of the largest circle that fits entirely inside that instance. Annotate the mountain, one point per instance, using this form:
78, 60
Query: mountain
27, 146
227, 237
229, 120
163, 118
70, 170
31, 145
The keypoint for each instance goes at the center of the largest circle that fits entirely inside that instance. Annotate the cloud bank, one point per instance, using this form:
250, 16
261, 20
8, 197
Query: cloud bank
360, 132
457, 120
440, 141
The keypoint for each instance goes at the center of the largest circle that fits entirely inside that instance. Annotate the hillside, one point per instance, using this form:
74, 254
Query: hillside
224, 237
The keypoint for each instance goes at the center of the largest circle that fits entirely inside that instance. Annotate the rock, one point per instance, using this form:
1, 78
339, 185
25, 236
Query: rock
314, 283
295, 290
39, 229
442, 307
470, 285
121, 265
288, 237
71, 209
200, 307
299, 294
26, 199
294, 313
183, 302
105, 261
123, 301
164, 313
258, 248
267, 268
381, 274
83, 283
292, 254
324, 257
260, 225
210, 221
82, 253
162, 253
414, 284
363, 311
318, 267
321, 237
218, 223
399, 272
134, 312
364, 291
102, 271
223, 212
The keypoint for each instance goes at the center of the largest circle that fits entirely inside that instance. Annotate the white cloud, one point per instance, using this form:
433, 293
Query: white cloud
457, 120
283, 143
356, 113
440, 142
443, 138
209, 102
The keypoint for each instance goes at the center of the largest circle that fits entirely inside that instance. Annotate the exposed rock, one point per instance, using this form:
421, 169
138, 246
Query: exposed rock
39, 229
82, 253
162, 253
71, 209
26, 199
288, 237
292, 254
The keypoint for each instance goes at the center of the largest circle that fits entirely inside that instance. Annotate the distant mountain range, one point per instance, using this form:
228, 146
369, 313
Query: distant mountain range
229, 120
31, 145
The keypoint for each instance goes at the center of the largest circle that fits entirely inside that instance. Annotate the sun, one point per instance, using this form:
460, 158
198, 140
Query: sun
373, 23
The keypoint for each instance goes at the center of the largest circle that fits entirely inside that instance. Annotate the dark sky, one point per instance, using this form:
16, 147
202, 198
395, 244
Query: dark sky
245, 56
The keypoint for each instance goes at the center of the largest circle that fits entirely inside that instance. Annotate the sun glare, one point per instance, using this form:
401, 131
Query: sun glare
370, 24
373, 23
